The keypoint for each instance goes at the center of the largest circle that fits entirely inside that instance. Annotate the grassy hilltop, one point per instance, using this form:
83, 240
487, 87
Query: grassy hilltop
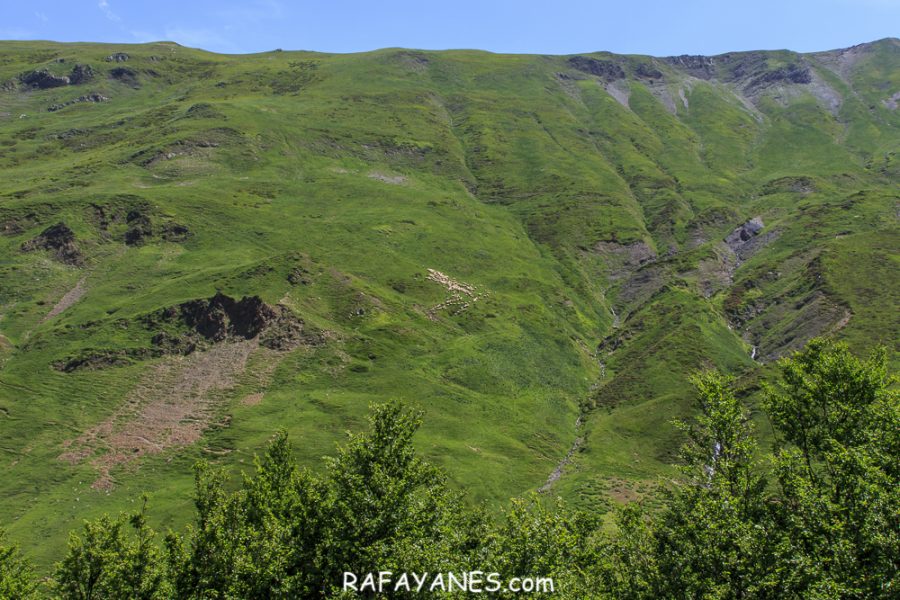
198, 249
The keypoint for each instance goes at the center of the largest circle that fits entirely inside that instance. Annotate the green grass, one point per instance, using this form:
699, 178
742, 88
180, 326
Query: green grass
365, 171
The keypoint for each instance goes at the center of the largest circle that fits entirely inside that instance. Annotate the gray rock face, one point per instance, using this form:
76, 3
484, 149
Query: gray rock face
743, 233
746, 240
646, 71
606, 69
117, 57
793, 73
60, 240
94, 97
43, 79
81, 74
701, 67
623, 259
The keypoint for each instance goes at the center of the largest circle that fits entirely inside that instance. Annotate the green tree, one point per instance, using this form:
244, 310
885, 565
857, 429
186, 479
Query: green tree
837, 461
17, 578
391, 510
262, 541
712, 537
106, 562
286, 533
536, 540
828, 528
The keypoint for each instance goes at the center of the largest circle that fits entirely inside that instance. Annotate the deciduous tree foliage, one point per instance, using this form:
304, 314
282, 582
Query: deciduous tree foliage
817, 518
16, 577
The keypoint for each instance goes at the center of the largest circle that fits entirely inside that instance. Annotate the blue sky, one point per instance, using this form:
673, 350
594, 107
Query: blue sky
658, 27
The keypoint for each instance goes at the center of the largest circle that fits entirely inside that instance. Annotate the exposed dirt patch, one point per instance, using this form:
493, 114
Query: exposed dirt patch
171, 406
60, 240
622, 491
392, 179
252, 399
620, 91
68, 299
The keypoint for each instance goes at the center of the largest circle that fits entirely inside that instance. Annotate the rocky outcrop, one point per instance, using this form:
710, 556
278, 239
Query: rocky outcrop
139, 228
622, 259
199, 326
647, 71
43, 79
605, 69
92, 98
892, 101
60, 240
175, 232
747, 239
221, 317
118, 57
81, 74
742, 234
792, 73
701, 67
142, 226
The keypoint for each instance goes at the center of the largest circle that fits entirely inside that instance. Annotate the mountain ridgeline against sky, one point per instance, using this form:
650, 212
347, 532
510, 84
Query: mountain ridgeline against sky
198, 249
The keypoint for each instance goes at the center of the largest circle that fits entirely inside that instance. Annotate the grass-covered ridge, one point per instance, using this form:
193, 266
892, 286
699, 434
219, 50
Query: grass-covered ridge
507, 242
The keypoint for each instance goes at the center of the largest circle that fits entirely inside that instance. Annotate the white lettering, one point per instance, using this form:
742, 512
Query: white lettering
475, 581
402, 583
368, 583
453, 581
348, 584
384, 578
420, 581
438, 583
494, 580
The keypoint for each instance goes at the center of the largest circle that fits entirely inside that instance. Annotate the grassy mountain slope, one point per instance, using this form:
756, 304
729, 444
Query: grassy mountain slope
534, 249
